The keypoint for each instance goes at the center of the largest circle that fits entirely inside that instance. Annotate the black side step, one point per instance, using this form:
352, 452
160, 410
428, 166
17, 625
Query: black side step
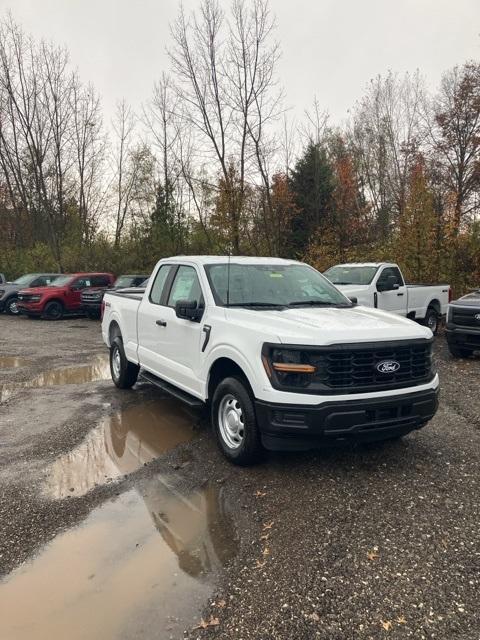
185, 397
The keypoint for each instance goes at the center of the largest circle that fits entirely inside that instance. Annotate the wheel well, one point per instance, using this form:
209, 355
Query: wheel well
113, 331
436, 306
221, 369
54, 300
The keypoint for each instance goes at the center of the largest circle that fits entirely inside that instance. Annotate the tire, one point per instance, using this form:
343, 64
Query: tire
458, 352
93, 315
53, 310
124, 373
238, 440
431, 320
11, 306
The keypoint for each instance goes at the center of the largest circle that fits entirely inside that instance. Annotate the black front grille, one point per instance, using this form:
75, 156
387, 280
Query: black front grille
91, 297
466, 317
357, 368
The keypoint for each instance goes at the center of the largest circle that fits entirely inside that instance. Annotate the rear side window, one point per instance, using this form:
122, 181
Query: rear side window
391, 271
82, 283
100, 281
186, 286
159, 283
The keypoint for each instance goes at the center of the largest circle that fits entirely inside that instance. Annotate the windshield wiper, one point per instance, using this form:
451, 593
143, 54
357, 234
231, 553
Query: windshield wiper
270, 305
320, 303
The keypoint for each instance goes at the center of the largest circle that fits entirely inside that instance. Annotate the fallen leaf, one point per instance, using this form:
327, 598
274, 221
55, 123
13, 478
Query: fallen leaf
204, 624
371, 555
268, 525
313, 616
260, 564
387, 625
221, 603
266, 552
265, 536
260, 494
401, 620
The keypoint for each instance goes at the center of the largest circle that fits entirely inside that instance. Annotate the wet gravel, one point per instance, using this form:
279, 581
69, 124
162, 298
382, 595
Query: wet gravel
379, 541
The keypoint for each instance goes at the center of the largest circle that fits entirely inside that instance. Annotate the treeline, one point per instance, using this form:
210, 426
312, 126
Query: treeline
214, 163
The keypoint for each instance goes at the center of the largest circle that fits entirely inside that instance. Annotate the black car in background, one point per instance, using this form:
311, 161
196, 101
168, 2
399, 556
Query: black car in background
463, 325
92, 297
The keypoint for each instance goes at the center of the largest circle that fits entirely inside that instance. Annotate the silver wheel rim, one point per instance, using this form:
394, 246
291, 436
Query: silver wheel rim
13, 307
231, 421
432, 322
116, 363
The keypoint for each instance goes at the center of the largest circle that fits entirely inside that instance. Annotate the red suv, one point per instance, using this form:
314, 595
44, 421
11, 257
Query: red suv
62, 296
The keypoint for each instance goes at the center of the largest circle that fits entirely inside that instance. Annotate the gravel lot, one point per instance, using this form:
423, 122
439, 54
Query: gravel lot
371, 542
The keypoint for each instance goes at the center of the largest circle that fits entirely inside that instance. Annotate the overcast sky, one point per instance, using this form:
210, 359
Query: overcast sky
331, 48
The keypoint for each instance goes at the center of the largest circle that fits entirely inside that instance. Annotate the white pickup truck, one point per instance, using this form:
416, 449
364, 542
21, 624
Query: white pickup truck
281, 357
381, 285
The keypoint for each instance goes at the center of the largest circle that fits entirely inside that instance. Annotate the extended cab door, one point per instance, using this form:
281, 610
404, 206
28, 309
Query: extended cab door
74, 291
391, 292
170, 346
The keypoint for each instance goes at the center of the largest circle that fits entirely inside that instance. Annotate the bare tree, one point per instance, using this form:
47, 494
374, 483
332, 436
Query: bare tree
455, 136
225, 74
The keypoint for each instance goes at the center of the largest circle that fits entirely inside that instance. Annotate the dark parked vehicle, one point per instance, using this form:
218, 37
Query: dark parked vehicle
463, 325
2, 278
62, 296
9, 290
92, 297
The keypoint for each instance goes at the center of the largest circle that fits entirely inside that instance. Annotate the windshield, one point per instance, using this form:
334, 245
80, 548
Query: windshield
271, 285
61, 281
343, 274
24, 279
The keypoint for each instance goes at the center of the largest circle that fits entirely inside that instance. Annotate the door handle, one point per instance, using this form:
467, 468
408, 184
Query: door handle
400, 294
161, 323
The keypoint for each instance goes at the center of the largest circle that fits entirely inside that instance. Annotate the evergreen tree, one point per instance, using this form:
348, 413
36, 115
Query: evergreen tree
312, 183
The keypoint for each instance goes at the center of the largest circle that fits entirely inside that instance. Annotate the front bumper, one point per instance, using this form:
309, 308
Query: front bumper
91, 307
463, 337
301, 427
2, 305
31, 308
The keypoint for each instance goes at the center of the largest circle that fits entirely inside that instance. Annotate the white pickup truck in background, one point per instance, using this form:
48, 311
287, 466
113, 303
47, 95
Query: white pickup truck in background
381, 285
280, 356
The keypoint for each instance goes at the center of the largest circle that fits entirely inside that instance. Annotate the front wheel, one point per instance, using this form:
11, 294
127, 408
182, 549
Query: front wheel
234, 422
124, 373
53, 311
12, 306
432, 320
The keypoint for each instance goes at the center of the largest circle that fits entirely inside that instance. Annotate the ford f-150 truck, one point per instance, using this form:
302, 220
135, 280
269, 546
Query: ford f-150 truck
92, 297
283, 359
61, 297
381, 285
463, 325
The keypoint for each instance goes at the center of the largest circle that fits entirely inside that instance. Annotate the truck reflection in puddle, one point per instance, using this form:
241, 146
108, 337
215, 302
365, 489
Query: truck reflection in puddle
115, 577
120, 444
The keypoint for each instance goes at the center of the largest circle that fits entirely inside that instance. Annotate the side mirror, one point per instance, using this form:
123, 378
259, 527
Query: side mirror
353, 299
188, 310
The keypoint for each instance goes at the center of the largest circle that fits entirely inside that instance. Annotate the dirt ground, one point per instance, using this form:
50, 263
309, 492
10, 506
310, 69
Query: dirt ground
119, 519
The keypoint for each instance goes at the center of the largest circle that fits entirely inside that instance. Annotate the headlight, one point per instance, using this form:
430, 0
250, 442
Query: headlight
36, 298
287, 367
2, 293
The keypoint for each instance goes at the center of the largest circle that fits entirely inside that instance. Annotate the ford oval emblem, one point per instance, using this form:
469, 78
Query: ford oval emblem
388, 366
477, 317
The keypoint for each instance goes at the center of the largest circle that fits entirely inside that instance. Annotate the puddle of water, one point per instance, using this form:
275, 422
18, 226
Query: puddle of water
13, 362
120, 444
98, 369
135, 568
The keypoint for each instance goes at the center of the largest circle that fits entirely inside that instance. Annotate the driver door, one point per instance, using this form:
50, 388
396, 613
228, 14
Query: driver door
394, 299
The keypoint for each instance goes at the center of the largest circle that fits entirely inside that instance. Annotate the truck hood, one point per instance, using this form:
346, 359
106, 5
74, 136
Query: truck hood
42, 290
330, 325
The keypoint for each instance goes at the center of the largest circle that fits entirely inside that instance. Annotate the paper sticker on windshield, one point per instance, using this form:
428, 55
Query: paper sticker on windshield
276, 275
